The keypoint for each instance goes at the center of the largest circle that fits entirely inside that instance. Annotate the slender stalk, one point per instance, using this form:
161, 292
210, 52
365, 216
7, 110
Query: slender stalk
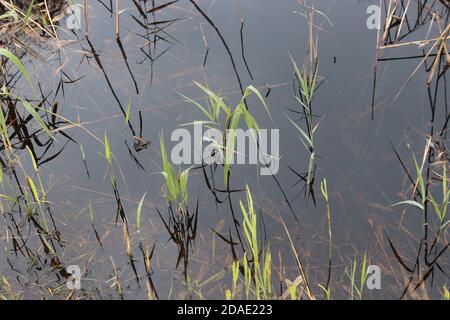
117, 20
86, 17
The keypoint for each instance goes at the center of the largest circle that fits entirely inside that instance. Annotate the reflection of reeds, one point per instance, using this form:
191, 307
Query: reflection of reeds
38, 17
147, 254
182, 228
28, 124
15, 136
424, 200
403, 20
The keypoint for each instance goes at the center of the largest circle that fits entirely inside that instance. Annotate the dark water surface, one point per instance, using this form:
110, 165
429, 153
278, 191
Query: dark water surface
353, 151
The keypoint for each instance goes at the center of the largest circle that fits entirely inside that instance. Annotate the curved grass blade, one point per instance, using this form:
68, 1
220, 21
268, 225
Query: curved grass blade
15, 60
36, 116
138, 213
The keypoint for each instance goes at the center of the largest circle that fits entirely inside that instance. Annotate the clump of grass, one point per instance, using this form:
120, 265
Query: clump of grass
446, 294
233, 115
440, 207
398, 32
176, 190
6, 291
356, 289
226, 119
5, 93
427, 181
256, 263
37, 16
181, 223
420, 182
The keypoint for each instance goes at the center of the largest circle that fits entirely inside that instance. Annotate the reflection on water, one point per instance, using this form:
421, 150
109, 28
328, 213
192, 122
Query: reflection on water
95, 197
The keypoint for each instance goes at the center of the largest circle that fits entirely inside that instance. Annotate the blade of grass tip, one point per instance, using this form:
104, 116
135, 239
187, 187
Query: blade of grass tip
8, 198
183, 186
128, 111
445, 224
305, 136
33, 160
9, 14
34, 190
363, 274
83, 155
3, 125
314, 83
36, 116
138, 213
249, 119
409, 202
436, 208
91, 211
353, 276
107, 149
310, 169
260, 97
215, 97
303, 105
199, 106
15, 60
303, 83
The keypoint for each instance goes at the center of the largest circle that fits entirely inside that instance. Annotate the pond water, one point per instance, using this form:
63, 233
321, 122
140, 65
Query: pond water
352, 147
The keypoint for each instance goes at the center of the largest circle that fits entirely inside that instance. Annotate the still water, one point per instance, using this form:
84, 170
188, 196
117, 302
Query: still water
353, 151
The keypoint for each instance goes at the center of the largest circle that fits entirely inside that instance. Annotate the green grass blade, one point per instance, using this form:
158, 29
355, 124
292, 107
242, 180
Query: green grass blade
303, 133
230, 144
127, 113
36, 116
15, 60
409, 202
138, 213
